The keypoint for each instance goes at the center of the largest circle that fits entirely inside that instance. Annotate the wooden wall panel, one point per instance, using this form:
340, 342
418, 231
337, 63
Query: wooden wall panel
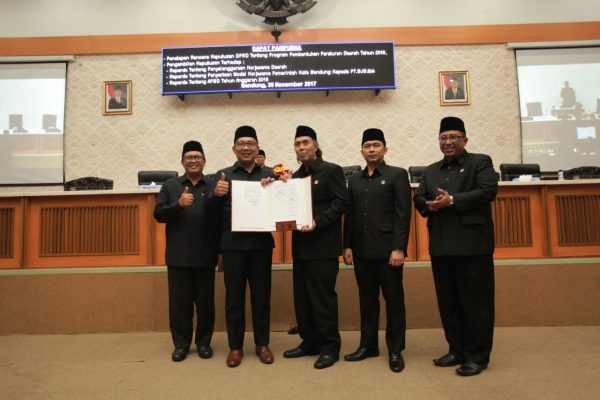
11, 232
402, 36
578, 220
519, 225
574, 220
278, 251
7, 225
512, 221
88, 231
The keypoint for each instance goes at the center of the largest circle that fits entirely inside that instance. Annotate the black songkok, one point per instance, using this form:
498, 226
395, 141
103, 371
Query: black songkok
373, 134
452, 124
245, 131
192, 145
302, 130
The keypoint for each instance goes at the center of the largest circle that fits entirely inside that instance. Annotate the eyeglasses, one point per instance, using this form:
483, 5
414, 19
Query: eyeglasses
250, 145
452, 138
193, 158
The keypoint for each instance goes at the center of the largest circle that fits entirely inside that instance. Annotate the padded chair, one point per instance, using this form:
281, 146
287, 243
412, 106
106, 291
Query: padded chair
158, 177
510, 171
351, 170
416, 173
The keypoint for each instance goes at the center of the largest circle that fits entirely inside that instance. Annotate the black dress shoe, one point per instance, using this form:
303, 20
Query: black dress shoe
361, 354
469, 368
299, 352
448, 360
205, 351
325, 361
179, 354
396, 362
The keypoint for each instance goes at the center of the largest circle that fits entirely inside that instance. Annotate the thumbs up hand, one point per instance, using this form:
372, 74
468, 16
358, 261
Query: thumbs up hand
222, 186
186, 199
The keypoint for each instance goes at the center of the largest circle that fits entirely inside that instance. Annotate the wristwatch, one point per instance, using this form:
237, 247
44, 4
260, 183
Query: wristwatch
451, 200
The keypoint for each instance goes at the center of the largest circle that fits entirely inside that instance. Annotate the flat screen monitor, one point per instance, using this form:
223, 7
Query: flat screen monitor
15, 121
278, 67
565, 81
534, 109
32, 107
49, 123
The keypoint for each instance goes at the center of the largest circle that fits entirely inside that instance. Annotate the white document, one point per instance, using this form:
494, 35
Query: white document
257, 209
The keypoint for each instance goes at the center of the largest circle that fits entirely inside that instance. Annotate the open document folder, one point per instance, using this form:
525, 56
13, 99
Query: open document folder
255, 208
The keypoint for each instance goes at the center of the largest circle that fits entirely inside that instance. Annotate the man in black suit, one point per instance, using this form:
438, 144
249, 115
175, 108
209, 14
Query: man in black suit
454, 92
246, 257
117, 101
376, 229
316, 249
192, 235
455, 196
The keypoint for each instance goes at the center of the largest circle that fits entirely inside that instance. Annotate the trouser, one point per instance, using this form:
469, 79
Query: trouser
371, 276
253, 267
189, 286
465, 292
315, 302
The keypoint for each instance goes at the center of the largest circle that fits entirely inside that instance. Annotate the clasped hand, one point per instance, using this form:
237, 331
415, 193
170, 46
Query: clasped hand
442, 200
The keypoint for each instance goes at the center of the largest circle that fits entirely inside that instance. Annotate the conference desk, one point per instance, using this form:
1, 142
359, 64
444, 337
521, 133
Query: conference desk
544, 219
547, 268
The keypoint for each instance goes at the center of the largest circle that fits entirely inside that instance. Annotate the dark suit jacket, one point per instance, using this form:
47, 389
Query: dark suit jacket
192, 232
467, 227
449, 95
377, 219
113, 104
328, 204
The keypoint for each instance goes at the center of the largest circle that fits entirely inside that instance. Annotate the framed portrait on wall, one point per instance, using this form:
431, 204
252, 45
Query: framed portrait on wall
117, 98
454, 88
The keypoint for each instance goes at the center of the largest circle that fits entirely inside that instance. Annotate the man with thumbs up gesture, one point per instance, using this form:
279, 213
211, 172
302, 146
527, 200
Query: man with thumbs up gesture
192, 233
246, 256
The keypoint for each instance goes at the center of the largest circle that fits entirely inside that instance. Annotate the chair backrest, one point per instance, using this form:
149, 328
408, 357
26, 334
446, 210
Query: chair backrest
416, 173
587, 172
510, 171
158, 177
351, 170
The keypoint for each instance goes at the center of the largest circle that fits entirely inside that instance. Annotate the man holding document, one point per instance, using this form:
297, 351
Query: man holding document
246, 256
316, 247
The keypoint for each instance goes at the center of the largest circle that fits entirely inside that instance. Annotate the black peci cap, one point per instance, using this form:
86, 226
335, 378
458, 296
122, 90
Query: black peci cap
303, 130
245, 131
192, 145
452, 124
373, 134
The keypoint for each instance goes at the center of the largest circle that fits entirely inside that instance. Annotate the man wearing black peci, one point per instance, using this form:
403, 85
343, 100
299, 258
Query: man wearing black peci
315, 249
192, 234
456, 195
376, 229
247, 256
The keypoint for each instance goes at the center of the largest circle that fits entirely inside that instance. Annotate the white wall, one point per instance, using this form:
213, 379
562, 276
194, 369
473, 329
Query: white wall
30, 18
